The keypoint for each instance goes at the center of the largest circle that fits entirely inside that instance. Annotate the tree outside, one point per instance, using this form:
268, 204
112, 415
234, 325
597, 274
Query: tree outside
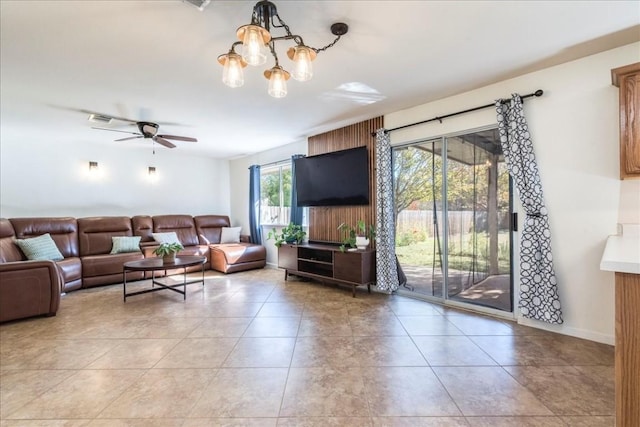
275, 195
477, 206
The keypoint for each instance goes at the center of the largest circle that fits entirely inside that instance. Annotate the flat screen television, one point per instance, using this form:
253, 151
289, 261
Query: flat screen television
339, 178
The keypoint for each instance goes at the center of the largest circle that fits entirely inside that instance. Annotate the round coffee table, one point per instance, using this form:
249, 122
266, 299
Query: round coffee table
156, 264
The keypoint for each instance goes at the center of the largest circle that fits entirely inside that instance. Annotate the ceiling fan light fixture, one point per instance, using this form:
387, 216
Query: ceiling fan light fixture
148, 129
277, 77
258, 39
302, 56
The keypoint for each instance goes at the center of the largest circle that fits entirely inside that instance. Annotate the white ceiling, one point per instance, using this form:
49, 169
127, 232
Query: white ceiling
156, 60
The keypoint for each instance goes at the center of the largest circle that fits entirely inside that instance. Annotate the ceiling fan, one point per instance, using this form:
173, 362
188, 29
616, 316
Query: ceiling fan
150, 130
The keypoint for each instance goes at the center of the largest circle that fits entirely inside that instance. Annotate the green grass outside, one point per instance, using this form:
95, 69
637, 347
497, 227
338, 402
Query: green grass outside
460, 253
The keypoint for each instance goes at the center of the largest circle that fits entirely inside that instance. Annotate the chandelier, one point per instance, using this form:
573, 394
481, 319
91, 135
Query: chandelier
257, 42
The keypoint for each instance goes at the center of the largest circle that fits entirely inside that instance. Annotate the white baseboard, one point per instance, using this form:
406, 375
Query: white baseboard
567, 330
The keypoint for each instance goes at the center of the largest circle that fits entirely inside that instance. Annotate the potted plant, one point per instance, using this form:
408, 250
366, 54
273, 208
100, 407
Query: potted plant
168, 252
292, 233
357, 237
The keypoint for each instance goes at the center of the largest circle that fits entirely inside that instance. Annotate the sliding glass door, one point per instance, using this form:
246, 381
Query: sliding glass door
453, 213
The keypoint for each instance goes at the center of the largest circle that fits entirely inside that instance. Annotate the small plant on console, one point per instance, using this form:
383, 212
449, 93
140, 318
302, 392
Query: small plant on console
292, 233
356, 237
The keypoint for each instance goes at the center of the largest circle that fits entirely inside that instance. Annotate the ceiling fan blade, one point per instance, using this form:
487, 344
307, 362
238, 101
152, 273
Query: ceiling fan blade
163, 141
124, 119
173, 124
178, 138
116, 130
128, 138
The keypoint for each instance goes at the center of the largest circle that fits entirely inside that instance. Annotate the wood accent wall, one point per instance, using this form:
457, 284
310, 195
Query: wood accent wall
324, 221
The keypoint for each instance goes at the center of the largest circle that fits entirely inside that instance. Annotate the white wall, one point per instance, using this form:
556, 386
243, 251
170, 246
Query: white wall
575, 131
50, 179
629, 210
239, 173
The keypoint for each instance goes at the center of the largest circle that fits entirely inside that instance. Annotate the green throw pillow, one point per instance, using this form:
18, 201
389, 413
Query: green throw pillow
40, 248
123, 244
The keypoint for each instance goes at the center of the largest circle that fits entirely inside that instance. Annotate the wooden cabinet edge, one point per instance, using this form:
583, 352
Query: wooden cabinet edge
627, 350
628, 113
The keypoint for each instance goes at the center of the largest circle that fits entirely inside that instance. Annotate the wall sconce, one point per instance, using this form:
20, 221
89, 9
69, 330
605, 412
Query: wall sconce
93, 166
152, 171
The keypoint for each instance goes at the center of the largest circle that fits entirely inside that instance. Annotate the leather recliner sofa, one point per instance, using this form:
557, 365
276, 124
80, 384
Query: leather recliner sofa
86, 244
27, 288
228, 257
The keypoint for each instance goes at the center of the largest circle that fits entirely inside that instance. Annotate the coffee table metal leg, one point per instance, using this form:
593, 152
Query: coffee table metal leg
184, 279
124, 285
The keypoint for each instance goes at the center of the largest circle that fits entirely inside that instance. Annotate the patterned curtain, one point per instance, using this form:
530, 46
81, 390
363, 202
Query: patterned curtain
296, 211
254, 204
538, 288
386, 267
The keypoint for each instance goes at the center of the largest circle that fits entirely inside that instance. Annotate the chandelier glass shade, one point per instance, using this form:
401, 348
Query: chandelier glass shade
257, 41
277, 77
232, 64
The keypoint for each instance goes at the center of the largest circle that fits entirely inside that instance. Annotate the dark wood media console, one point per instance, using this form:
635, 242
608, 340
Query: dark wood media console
328, 264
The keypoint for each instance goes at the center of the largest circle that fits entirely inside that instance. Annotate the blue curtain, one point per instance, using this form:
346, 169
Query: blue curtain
254, 204
296, 211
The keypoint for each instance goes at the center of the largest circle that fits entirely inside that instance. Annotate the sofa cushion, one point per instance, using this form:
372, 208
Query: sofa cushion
63, 231
230, 235
209, 227
124, 244
235, 253
95, 233
182, 225
9, 251
71, 270
143, 227
102, 265
40, 248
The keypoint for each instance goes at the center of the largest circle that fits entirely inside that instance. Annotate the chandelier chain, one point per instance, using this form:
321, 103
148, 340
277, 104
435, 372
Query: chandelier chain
299, 40
272, 47
321, 49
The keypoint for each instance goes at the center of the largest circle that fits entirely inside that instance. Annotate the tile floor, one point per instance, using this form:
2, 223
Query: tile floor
250, 349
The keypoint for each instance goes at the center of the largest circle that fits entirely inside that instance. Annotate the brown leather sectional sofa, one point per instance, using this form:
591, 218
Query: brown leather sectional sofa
32, 288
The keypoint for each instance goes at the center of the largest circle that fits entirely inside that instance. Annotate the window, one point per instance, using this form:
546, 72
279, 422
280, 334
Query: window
275, 194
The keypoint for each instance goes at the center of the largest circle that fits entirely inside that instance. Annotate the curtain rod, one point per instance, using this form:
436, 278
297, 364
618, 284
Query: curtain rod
275, 163
539, 92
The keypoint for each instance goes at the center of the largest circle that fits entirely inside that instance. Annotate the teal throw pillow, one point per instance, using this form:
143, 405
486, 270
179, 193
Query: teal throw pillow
40, 248
124, 244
